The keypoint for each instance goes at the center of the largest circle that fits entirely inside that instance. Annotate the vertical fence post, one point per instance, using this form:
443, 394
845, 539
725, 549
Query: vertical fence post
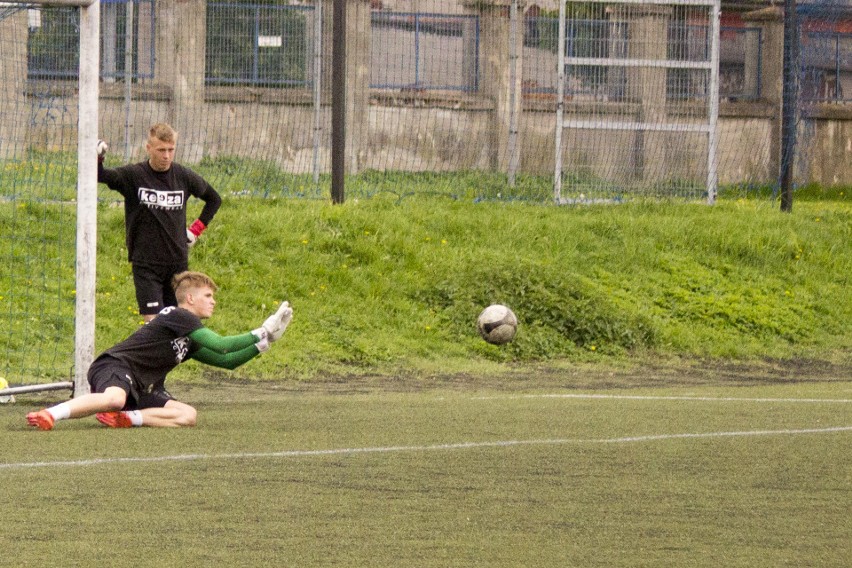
788, 103
128, 77
338, 102
317, 86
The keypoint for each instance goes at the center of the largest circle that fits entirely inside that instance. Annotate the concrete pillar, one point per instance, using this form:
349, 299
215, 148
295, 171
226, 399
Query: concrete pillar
180, 65
15, 111
496, 74
109, 34
771, 23
358, 46
144, 41
647, 29
751, 74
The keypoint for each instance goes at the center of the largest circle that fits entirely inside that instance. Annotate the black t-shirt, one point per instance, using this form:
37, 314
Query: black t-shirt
157, 347
155, 209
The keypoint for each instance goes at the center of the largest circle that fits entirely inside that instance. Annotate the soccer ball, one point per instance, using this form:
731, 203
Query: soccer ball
497, 324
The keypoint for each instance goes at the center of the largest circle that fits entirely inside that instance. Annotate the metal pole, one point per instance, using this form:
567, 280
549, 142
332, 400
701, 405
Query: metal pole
128, 76
560, 104
317, 86
789, 102
713, 118
36, 388
338, 102
513, 149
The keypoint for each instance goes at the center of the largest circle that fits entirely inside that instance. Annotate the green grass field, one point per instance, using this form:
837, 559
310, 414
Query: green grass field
383, 285
679, 392
559, 467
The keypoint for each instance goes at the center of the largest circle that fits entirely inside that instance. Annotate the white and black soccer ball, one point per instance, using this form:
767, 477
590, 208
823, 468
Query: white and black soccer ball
497, 324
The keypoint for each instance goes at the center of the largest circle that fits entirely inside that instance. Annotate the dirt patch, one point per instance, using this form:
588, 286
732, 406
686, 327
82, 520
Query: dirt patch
517, 378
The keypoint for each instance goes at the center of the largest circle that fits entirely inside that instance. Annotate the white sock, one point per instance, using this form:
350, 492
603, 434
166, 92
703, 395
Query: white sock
61, 411
135, 417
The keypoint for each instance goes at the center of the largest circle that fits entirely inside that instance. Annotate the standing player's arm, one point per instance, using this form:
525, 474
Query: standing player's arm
227, 352
109, 177
212, 202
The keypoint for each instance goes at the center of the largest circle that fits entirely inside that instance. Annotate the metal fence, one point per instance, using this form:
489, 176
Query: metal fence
258, 45
420, 51
272, 45
826, 67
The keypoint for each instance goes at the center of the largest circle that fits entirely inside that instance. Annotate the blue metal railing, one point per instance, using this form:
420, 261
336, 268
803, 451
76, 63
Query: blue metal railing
425, 51
250, 44
54, 41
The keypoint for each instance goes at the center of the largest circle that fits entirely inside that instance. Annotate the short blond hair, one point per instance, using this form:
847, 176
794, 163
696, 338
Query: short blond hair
162, 132
187, 280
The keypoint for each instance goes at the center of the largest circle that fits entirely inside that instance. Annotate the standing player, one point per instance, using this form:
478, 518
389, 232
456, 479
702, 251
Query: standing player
128, 380
155, 193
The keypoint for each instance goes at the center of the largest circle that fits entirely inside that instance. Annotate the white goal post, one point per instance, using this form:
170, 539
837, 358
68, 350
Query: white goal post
637, 99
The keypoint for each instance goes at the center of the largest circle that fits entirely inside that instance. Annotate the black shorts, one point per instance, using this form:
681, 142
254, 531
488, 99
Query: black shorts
108, 372
154, 286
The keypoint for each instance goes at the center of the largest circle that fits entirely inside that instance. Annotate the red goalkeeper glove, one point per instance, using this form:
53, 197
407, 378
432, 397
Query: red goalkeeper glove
194, 231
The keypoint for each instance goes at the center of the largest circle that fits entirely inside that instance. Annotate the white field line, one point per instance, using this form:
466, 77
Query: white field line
652, 397
426, 448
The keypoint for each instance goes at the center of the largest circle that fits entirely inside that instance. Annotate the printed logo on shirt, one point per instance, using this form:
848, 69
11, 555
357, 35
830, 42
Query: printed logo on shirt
160, 199
181, 347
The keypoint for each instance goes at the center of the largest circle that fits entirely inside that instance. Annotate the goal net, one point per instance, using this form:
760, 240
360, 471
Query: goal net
637, 101
47, 203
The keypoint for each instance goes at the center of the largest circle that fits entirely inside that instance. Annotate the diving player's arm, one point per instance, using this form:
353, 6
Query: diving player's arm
206, 337
227, 352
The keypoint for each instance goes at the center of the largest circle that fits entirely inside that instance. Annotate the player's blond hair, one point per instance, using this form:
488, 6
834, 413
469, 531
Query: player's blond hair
162, 132
183, 282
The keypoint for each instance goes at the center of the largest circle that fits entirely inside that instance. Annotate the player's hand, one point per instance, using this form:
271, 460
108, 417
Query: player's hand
277, 323
285, 313
262, 345
102, 149
194, 231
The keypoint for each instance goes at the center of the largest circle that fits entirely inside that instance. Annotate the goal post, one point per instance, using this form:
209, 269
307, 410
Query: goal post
637, 99
37, 323
87, 195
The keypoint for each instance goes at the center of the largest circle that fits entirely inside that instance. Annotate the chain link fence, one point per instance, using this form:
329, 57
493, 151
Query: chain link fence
248, 87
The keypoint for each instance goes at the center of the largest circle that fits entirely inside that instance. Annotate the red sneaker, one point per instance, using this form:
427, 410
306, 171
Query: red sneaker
41, 420
114, 419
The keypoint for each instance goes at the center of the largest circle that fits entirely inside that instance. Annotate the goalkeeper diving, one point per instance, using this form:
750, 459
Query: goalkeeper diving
127, 381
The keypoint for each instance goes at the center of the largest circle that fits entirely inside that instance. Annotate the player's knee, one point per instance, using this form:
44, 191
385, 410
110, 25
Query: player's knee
114, 402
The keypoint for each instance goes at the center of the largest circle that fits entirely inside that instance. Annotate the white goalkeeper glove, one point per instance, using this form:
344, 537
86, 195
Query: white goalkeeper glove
278, 322
262, 345
102, 150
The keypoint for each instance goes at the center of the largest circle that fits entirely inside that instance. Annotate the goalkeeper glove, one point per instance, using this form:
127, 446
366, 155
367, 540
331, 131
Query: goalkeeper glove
194, 231
278, 322
102, 150
262, 345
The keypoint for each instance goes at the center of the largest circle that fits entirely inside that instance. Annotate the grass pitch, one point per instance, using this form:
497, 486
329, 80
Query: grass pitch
546, 470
